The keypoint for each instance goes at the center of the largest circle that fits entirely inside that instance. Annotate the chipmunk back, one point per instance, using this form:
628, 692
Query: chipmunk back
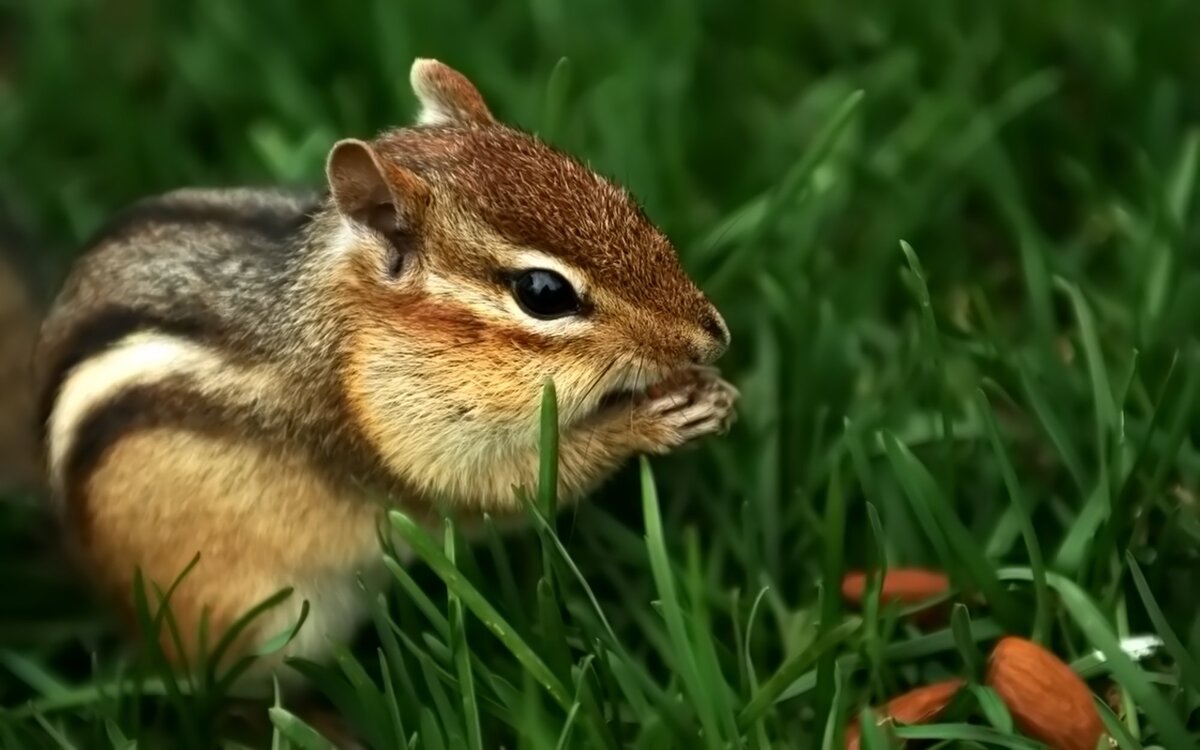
254, 376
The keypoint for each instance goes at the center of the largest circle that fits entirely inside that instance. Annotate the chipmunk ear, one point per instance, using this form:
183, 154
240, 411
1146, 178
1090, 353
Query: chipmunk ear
446, 96
365, 188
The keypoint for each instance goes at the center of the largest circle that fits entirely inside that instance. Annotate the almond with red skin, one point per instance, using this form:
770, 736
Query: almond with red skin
1047, 700
906, 586
917, 706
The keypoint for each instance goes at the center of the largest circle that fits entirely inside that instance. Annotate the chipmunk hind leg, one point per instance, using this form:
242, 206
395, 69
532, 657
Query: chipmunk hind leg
160, 497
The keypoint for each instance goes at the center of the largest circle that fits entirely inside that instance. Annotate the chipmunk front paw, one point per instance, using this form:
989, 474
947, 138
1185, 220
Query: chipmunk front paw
690, 405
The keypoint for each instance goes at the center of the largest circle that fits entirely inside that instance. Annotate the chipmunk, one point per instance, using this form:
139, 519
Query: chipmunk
256, 375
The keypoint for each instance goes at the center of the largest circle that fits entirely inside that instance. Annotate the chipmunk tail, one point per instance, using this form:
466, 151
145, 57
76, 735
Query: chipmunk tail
21, 312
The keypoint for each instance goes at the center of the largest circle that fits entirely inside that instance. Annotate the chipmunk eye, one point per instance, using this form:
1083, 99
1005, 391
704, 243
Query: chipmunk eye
544, 294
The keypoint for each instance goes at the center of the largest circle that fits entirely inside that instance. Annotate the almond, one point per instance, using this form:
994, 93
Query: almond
917, 706
903, 585
1047, 700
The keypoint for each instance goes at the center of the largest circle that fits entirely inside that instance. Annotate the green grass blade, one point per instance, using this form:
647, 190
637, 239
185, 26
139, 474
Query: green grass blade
1052, 424
548, 453
835, 726
424, 546
791, 669
967, 556
1043, 614
462, 654
440, 624
1189, 668
833, 540
960, 625
993, 708
785, 192
871, 735
682, 646
297, 731
33, 674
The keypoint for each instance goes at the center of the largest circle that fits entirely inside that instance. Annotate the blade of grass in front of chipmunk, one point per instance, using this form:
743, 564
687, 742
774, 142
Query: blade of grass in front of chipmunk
648, 688
553, 632
397, 667
502, 564
548, 452
391, 699
461, 652
418, 597
548, 481
1185, 661
223, 682
431, 732
332, 683
681, 646
151, 626
446, 712
421, 543
1043, 613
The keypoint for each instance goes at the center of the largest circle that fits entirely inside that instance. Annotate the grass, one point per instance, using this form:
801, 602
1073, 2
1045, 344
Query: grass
956, 244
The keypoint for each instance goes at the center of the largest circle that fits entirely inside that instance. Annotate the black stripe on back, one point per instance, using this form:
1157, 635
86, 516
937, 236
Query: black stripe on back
100, 331
166, 404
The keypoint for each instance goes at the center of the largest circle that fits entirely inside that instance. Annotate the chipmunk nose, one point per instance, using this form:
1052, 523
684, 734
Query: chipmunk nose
714, 339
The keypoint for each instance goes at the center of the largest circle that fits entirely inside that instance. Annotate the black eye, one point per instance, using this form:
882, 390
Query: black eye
544, 294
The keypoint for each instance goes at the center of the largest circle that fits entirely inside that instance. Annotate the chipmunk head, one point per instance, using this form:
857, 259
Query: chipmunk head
481, 262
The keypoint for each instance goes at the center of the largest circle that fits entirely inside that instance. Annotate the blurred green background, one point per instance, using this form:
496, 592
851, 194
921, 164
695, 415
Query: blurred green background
1040, 158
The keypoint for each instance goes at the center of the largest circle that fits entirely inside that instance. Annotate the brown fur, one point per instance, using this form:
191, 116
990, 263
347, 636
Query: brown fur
253, 375
245, 555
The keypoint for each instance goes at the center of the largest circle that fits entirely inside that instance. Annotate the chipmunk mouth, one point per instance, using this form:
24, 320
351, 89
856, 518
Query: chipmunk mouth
625, 394
620, 397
